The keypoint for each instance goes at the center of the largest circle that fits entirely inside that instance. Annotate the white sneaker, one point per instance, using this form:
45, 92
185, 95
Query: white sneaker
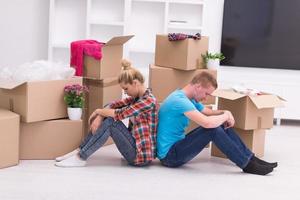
73, 161
72, 153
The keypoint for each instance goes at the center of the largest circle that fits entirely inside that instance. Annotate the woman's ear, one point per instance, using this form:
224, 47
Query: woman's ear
135, 82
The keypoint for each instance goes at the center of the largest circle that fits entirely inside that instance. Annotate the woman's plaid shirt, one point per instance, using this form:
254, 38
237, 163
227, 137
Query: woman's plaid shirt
144, 111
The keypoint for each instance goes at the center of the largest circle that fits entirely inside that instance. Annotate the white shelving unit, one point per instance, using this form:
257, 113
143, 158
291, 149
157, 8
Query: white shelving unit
72, 20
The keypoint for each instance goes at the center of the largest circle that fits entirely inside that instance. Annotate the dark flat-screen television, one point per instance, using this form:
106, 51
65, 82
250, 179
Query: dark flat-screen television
261, 33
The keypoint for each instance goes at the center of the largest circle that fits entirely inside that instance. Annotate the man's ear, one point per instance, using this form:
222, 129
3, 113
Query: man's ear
198, 85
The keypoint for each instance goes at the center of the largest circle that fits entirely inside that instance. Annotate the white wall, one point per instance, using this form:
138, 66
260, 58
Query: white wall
24, 31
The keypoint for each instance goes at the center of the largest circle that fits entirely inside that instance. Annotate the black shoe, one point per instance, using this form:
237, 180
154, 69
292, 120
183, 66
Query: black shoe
255, 168
262, 162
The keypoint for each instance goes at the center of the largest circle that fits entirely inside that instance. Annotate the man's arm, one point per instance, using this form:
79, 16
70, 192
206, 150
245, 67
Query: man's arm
212, 121
209, 112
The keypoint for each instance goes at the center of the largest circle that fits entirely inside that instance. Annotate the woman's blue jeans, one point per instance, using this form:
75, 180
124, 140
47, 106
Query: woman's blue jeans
225, 139
120, 135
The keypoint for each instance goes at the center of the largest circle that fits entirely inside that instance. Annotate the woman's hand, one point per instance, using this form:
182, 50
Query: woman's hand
93, 116
96, 123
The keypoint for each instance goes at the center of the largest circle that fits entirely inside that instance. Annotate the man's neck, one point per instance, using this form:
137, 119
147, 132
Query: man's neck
188, 91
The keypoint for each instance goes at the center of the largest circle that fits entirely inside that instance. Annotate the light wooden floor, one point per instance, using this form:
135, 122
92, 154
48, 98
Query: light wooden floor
108, 177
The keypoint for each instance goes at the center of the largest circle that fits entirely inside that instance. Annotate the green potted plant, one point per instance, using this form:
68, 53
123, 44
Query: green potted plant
211, 60
74, 98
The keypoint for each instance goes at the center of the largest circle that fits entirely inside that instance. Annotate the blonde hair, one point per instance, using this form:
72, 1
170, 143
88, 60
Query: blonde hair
128, 73
205, 79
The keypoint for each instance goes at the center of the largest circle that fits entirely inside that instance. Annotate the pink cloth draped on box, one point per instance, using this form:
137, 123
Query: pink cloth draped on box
84, 47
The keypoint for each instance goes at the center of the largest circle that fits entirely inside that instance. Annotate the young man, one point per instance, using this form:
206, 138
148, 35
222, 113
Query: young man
175, 148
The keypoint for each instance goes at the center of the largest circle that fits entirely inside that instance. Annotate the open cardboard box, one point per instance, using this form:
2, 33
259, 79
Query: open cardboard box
36, 100
110, 63
9, 138
183, 54
249, 112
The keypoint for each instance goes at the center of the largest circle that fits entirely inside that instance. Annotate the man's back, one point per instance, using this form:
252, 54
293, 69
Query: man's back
172, 121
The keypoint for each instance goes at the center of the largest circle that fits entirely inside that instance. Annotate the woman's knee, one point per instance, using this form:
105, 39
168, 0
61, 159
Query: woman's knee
109, 120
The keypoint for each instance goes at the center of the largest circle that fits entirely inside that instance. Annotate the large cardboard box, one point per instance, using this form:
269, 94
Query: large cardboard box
183, 54
164, 81
36, 100
110, 63
250, 112
253, 139
101, 93
47, 140
9, 138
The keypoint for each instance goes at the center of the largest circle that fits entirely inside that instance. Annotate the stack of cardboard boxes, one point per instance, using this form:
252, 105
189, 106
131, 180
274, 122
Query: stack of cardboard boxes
32, 124
101, 77
33, 114
176, 63
253, 114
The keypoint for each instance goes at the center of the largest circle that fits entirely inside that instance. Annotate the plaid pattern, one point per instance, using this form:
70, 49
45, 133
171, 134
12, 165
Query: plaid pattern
144, 110
181, 36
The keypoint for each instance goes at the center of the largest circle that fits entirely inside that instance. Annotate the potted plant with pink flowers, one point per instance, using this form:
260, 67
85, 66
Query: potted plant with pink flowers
74, 98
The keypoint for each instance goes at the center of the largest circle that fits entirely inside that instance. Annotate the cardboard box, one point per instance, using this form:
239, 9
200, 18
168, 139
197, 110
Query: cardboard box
101, 92
183, 54
4, 101
164, 81
250, 112
110, 63
253, 139
37, 100
47, 140
9, 138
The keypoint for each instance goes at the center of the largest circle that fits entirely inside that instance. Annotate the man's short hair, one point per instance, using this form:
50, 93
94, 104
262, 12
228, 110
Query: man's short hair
205, 79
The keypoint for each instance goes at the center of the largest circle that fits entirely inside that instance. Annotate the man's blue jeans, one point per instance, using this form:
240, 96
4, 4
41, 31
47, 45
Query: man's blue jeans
120, 135
225, 139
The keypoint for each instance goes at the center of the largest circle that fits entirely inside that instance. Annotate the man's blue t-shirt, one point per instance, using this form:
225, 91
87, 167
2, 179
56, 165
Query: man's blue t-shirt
172, 122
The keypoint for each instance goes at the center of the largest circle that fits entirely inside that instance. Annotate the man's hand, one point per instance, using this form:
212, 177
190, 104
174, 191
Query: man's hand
230, 122
96, 123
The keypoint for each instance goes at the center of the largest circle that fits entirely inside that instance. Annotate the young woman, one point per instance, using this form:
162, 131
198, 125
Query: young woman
137, 143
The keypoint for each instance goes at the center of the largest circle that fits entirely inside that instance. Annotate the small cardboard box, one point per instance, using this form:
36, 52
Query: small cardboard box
164, 81
110, 63
249, 112
9, 138
101, 92
47, 140
183, 54
37, 100
253, 139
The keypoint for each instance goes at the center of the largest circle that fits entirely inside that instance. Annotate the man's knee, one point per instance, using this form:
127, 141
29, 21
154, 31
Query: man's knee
172, 164
217, 131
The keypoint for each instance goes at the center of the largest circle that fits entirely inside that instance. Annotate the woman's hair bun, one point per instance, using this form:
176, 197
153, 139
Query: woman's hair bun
125, 64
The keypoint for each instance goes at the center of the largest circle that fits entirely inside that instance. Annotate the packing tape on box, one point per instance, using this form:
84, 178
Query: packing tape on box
259, 122
11, 104
96, 82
